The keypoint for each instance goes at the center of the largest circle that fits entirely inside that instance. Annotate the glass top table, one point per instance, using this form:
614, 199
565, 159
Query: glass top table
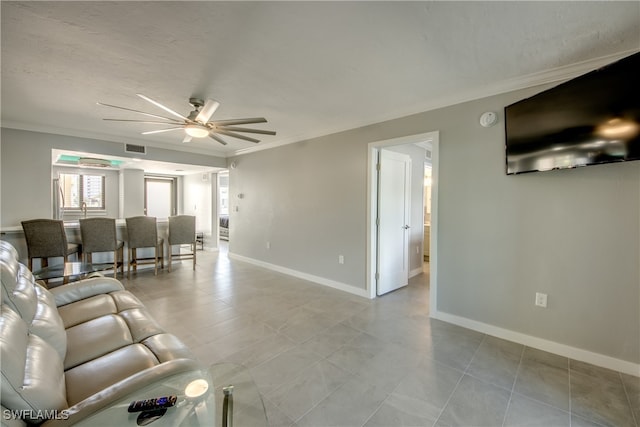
238, 400
70, 269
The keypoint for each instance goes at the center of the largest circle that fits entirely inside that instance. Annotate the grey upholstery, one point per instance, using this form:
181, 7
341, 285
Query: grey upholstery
79, 348
46, 238
99, 235
142, 232
182, 231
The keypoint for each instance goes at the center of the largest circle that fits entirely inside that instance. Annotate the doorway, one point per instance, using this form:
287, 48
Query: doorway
159, 196
373, 207
223, 211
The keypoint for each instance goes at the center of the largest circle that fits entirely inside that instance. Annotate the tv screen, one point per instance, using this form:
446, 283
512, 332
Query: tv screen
592, 119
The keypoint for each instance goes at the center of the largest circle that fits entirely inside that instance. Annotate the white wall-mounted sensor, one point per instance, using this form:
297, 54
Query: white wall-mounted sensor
488, 119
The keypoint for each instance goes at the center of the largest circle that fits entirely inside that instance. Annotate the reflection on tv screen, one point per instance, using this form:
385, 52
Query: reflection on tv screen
592, 119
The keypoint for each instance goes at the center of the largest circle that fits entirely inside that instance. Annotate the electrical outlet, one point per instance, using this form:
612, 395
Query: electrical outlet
268, 245
541, 300
340, 259
418, 249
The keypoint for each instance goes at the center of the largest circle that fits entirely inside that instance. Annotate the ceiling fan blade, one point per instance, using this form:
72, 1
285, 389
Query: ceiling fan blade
160, 130
136, 111
187, 138
236, 135
248, 130
210, 106
144, 121
157, 104
239, 121
217, 138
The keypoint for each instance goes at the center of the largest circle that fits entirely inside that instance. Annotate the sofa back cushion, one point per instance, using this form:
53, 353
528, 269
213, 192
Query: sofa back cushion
32, 370
17, 291
33, 303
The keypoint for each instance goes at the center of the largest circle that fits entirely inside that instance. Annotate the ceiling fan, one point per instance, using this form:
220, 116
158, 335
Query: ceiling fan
197, 123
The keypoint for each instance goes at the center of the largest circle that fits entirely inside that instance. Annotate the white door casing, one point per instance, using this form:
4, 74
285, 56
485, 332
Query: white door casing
394, 199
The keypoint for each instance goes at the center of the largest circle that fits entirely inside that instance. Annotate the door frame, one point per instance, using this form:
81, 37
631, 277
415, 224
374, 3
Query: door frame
372, 207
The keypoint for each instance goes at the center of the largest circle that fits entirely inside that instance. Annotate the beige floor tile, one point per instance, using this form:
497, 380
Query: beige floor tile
331, 358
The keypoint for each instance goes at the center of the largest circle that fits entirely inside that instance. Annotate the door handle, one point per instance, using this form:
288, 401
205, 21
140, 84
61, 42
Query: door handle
406, 227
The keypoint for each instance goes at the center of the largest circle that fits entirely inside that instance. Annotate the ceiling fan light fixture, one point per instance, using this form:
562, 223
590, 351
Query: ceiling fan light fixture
196, 131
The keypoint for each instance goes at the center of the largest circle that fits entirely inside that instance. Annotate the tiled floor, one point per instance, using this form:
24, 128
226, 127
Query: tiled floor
321, 357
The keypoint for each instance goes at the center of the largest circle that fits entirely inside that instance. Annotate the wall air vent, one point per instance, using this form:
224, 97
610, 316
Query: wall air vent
132, 148
427, 154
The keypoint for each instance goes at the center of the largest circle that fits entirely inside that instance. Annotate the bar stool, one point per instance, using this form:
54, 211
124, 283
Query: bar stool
143, 233
99, 235
46, 239
182, 231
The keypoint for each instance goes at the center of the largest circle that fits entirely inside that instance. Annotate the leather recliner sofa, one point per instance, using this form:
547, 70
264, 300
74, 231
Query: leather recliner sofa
78, 354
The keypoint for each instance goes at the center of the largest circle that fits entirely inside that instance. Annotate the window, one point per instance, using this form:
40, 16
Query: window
80, 189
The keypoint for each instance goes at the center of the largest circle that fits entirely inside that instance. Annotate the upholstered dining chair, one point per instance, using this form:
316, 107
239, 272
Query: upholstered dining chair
46, 239
142, 232
182, 231
99, 235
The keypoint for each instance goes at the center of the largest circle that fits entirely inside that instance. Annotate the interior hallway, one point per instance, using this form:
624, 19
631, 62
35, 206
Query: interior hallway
324, 357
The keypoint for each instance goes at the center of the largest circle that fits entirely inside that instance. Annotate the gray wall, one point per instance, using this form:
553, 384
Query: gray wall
573, 234
307, 200
25, 175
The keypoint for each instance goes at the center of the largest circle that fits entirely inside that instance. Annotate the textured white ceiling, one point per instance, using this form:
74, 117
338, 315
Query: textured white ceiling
310, 68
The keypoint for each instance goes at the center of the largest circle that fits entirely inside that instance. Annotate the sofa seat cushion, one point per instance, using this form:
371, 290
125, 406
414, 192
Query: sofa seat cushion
95, 338
96, 306
98, 374
167, 347
86, 309
104, 323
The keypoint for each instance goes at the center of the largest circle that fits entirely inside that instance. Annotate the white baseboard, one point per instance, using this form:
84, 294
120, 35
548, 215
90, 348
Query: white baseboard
301, 275
415, 272
542, 344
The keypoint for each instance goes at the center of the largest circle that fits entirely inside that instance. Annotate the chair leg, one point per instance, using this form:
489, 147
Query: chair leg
135, 259
65, 279
155, 264
118, 256
115, 264
194, 256
129, 263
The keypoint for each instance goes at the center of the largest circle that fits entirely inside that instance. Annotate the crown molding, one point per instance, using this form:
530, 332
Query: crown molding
555, 75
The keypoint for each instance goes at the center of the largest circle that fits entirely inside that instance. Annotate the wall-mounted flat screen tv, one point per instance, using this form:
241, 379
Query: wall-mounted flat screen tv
592, 119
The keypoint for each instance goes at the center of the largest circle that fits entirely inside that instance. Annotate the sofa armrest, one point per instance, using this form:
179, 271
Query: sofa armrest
75, 291
111, 403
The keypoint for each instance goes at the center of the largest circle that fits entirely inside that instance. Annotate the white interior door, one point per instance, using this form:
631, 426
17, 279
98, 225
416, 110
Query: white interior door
394, 184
